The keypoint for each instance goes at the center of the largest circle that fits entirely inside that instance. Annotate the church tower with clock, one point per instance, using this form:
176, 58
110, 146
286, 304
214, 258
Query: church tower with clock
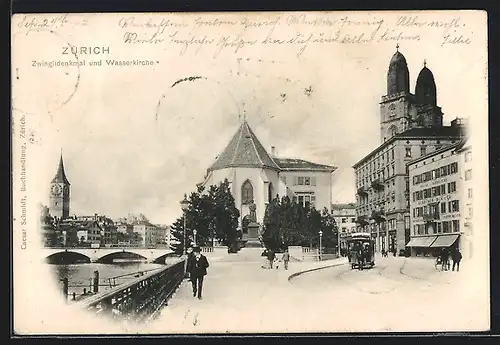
59, 193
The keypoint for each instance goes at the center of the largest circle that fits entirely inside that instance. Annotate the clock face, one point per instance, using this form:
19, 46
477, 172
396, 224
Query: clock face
66, 190
56, 189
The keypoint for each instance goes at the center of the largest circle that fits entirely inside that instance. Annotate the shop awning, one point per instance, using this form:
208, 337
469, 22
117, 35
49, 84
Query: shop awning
444, 241
424, 241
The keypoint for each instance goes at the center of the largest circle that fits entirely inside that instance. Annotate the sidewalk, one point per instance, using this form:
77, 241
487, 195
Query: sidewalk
237, 297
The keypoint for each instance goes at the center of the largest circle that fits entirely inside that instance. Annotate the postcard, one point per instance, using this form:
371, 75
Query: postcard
250, 172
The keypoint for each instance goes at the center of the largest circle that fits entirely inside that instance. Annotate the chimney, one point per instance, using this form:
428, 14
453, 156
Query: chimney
273, 151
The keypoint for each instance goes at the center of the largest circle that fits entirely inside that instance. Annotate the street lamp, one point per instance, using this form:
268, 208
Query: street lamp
184, 206
194, 236
320, 245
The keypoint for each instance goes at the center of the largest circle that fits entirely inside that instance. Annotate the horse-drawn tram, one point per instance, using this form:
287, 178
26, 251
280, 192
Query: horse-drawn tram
361, 250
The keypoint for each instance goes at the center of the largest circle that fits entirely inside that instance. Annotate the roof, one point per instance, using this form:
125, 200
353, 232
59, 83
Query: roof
435, 152
398, 59
77, 224
343, 206
60, 174
301, 164
417, 133
244, 150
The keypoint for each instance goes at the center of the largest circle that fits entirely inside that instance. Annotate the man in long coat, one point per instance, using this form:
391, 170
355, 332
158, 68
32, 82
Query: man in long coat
197, 269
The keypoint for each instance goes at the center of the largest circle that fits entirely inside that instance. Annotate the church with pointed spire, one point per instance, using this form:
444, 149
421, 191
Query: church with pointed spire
60, 193
256, 177
411, 126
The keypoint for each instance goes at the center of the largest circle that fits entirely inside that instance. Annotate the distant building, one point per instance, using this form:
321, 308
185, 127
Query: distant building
81, 231
411, 126
345, 218
59, 199
149, 234
441, 201
124, 228
256, 177
467, 214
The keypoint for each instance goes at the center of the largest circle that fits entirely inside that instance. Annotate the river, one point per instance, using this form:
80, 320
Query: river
80, 275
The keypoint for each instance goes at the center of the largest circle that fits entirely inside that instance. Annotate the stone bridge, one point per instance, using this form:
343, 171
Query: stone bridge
157, 255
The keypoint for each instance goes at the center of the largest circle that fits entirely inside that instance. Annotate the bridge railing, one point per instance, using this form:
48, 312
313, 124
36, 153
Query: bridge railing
140, 299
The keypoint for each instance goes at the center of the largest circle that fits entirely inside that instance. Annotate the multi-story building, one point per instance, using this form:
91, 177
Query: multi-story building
124, 228
464, 151
441, 201
149, 234
345, 218
411, 126
435, 201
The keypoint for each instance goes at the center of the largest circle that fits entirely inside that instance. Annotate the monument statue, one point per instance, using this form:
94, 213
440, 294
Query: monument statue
252, 216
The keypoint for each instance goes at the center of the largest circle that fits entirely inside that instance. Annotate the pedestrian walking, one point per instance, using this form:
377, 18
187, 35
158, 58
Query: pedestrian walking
197, 270
270, 257
286, 259
456, 256
444, 260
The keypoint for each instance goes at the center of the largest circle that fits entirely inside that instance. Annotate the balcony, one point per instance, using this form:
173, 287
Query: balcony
431, 217
378, 216
362, 220
362, 191
377, 185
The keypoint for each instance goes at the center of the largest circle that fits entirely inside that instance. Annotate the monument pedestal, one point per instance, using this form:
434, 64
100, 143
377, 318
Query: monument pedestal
252, 237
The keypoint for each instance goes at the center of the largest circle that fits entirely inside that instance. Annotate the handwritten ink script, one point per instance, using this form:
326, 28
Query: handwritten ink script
30, 24
302, 30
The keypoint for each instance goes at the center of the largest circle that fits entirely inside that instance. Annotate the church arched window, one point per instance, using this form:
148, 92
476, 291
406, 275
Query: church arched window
393, 130
420, 121
270, 192
246, 193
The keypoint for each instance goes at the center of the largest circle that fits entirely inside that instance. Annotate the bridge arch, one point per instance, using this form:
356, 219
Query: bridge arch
67, 257
123, 254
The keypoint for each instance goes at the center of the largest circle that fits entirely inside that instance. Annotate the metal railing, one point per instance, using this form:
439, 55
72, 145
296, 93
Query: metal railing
139, 299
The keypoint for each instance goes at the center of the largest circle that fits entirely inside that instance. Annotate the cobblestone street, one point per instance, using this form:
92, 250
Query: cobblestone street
398, 294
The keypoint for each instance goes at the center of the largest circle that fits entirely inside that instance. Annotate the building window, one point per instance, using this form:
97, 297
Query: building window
446, 227
423, 150
469, 193
453, 206
468, 175
306, 200
246, 193
453, 168
443, 207
468, 156
392, 154
456, 225
408, 152
452, 187
344, 220
270, 192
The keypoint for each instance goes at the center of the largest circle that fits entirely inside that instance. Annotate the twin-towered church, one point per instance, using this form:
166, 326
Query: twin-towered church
256, 177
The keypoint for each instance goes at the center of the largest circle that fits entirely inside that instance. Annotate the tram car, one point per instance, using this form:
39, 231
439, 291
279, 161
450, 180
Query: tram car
361, 250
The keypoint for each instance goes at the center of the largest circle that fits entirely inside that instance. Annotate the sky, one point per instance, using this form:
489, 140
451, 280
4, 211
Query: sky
133, 143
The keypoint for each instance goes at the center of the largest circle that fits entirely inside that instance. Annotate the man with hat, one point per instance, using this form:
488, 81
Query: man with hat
197, 269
